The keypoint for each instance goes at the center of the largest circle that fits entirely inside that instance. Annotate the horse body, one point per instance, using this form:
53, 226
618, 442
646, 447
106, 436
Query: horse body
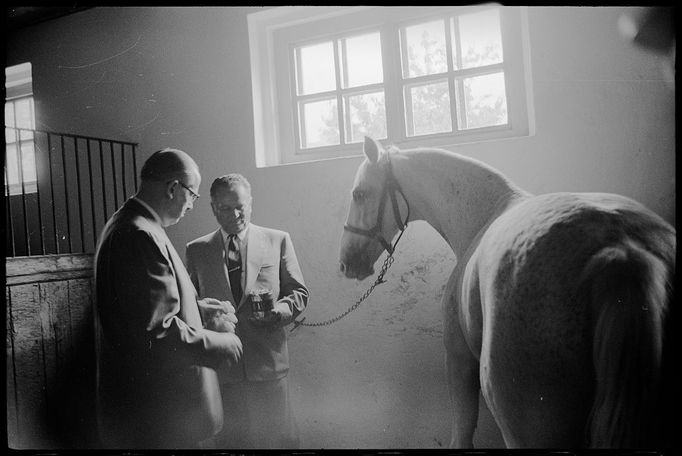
539, 323
547, 292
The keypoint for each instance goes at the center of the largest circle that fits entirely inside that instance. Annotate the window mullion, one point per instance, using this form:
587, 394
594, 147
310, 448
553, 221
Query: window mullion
449, 35
459, 87
339, 60
299, 127
393, 95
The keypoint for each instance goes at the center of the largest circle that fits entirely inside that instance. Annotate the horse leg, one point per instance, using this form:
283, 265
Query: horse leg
463, 376
539, 393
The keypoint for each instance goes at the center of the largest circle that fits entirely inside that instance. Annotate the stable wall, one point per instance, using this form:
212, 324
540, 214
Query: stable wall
180, 77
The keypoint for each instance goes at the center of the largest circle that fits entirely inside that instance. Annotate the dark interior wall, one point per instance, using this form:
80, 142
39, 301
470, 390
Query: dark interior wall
181, 77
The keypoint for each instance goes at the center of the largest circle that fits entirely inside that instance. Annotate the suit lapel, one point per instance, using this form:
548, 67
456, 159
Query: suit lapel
187, 292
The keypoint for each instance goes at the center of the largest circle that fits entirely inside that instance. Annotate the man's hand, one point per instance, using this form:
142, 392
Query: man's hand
280, 315
236, 349
217, 315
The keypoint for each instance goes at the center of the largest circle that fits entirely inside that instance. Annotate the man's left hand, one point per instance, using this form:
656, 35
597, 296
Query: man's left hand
280, 315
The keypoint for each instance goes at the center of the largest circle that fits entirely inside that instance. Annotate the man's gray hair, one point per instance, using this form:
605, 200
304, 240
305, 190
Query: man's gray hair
229, 181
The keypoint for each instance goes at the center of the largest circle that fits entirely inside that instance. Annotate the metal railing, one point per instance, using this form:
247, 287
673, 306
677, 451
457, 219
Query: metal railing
59, 200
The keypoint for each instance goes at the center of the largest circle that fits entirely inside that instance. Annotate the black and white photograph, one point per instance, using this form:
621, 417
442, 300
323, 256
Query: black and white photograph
292, 229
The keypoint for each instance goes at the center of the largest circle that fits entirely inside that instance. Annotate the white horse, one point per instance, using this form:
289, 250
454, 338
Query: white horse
556, 309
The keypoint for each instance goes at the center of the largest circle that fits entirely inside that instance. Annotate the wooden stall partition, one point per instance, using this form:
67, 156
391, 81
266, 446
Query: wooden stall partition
50, 352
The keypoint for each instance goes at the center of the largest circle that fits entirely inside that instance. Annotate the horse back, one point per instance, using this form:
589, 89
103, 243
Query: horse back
530, 259
537, 325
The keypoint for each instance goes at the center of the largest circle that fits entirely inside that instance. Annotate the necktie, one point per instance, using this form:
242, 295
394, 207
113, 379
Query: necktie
234, 268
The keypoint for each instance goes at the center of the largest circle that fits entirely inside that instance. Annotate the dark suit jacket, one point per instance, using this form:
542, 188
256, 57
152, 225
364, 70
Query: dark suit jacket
270, 263
157, 384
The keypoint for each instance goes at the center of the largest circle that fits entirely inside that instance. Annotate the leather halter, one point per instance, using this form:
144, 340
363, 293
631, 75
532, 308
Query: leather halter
390, 189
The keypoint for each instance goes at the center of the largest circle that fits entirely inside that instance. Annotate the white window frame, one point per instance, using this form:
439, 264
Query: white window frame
274, 33
19, 88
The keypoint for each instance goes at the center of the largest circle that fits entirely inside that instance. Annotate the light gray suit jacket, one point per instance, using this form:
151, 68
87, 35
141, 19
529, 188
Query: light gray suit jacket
270, 263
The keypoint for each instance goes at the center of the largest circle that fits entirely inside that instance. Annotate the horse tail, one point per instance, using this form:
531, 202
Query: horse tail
629, 290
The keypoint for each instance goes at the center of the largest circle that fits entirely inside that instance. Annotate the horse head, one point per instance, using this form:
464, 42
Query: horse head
369, 226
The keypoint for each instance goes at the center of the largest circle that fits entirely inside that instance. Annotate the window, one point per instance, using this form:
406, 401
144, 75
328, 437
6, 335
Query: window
20, 164
324, 77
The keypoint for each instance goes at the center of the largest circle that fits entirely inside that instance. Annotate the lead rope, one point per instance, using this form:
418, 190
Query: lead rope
379, 280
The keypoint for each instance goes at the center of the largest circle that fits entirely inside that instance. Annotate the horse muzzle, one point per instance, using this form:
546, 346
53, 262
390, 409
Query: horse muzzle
354, 272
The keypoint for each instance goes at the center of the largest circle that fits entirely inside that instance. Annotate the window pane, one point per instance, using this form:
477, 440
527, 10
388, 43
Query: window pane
28, 158
424, 51
319, 123
481, 39
11, 168
24, 112
363, 60
14, 173
315, 68
9, 115
367, 116
485, 101
430, 109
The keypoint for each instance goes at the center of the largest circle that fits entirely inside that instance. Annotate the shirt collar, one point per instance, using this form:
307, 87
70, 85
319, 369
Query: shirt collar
149, 208
241, 235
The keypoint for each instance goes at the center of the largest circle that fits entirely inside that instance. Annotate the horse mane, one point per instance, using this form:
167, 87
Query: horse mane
442, 152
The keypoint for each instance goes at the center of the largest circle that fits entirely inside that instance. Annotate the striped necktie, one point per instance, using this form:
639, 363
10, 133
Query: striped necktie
234, 268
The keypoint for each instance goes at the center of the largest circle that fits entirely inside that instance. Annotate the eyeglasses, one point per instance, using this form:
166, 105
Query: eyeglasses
195, 195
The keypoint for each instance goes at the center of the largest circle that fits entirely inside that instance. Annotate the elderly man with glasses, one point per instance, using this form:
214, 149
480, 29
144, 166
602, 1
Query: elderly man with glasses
157, 385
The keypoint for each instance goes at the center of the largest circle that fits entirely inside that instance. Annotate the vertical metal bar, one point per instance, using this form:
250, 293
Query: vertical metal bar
54, 200
40, 211
92, 194
135, 166
80, 194
10, 221
66, 195
20, 159
113, 170
101, 168
123, 171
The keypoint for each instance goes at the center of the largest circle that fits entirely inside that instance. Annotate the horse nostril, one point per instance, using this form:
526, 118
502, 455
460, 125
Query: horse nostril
342, 266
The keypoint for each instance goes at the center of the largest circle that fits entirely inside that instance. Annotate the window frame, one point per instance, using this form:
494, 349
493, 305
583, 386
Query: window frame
275, 33
19, 87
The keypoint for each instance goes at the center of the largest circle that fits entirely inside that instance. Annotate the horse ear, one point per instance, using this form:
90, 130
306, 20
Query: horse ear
372, 149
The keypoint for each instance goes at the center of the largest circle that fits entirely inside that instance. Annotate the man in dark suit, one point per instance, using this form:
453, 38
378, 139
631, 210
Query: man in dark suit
230, 263
157, 386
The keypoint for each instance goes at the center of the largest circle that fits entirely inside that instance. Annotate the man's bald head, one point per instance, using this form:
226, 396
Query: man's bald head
168, 164
170, 181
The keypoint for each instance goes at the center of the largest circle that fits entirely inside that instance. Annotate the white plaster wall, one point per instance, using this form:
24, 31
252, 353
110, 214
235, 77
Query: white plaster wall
180, 77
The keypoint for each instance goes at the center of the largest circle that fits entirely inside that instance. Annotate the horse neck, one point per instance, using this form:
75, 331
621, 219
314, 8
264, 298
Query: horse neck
456, 195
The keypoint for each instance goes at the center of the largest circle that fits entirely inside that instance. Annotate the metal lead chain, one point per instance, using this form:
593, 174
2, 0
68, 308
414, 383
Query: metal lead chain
379, 280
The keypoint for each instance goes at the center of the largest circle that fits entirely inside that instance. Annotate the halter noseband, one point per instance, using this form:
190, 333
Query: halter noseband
390, 189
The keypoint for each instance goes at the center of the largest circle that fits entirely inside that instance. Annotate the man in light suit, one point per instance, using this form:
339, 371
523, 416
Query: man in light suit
228, 264
157, 386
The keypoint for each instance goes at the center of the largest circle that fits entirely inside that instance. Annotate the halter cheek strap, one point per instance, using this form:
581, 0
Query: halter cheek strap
390, 189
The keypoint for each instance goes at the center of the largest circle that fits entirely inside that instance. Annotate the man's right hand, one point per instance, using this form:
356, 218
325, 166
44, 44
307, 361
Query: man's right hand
217, 315
234, 348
